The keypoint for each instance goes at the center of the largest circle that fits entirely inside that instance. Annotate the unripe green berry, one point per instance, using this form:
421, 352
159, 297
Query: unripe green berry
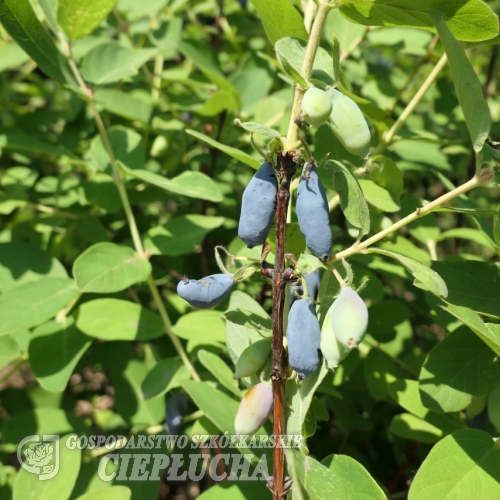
349, 318
348, 123
333, 351
254, 409
316, 106
252, 359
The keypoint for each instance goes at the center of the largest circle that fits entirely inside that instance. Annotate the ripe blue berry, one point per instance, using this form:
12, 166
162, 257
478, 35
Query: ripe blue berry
303, 335
258, 206
313, 214
207, 292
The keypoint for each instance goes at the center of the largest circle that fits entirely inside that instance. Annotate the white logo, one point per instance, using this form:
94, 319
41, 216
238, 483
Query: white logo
40, 455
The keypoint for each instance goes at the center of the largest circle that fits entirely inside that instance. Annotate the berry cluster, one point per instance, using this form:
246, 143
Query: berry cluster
346, 320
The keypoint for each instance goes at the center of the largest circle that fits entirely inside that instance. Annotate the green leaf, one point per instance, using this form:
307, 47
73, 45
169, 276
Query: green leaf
107, 268
188, 183
243, 490
167, 374
205, 58
465, 461
54, 350
280, 19
309, 263
114, 319
127, 371
298, 398
220, 101
127, 146
352, 199
425, 277
250, 319
291, 53
18, 18
139, 105
386, 174
406, 393
110, 62
38, 421
408, 426
218, 407
258, 128
475, 323
243, 313
12, 56
216, 366
294, 243
20, 141
34, 302
344, 478
9, 350
180, 235
59, 487
379, 371
22, 262
458, 368
468, 20
469, 88
78, 18
378, 196
387, 318
467, 233
233, 152
472, 284
206, 327
111, 493
358, 482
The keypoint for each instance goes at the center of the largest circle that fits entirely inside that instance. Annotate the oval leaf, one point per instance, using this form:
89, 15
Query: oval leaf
107, 268
114, 319
34, 302
467, 460
110, 62
78, 18
468, 20
54, 350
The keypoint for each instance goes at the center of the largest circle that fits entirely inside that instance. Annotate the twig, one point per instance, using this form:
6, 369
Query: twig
134, 231
420, 212
286, 170
398, 124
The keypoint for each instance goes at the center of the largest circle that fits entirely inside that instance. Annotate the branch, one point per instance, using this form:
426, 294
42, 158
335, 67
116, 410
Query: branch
286, 170
420, 212
134, 231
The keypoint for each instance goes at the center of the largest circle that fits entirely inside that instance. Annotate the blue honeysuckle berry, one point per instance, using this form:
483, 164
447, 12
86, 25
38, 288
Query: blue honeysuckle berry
303, 335
258, 206
313, 213
207, 292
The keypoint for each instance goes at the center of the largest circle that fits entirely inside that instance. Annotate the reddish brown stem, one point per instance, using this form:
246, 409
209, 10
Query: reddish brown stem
286, 168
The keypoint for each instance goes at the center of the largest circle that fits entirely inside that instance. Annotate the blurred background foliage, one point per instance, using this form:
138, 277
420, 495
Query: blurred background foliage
159, 69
